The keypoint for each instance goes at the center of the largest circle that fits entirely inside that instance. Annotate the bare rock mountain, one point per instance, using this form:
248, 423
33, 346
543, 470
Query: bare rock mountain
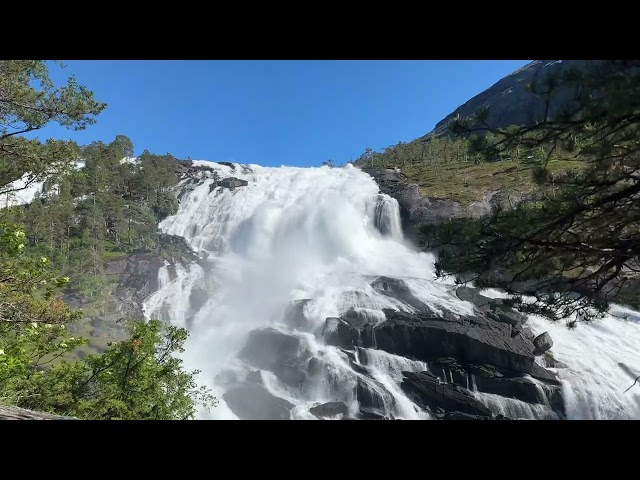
509, 101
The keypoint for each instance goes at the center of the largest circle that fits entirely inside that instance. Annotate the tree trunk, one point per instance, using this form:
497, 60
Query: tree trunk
17, 413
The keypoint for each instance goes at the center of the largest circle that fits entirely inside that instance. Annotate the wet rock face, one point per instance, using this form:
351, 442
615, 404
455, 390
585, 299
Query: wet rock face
198, 297
488, 379
283, 354
427, 390
551, 362
464, 355
509, 100
417, 209
414, 208
468, 339
373, 398
340, 332
542, 343
294, 316
472, 295
252, 401
457, 348
398, 289
330, 409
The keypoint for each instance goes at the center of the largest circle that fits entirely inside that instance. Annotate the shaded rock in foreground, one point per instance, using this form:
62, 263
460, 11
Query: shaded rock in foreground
340, 332
329, 409
427, 390
294, 316
470, 340
398, 289
472, 295
463, 416
252, 401
542, 343
373, 397
283, 354
507, 384
545, 375
519, 388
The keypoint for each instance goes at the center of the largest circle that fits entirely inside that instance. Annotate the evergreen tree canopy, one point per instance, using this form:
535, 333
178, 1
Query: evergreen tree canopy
581, 238
28, 101
140, 378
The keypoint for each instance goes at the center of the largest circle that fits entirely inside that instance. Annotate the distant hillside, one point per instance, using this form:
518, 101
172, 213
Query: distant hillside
435, 177
509, 101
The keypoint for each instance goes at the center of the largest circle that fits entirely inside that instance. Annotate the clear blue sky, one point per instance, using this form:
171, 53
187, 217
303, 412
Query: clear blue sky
274, 112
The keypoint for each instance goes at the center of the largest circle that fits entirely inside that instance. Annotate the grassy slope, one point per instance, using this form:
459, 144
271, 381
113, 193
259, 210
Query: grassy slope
467, 183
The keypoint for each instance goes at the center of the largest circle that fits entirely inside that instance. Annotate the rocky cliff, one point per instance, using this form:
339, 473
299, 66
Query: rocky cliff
488, 365
509, 101
417, 209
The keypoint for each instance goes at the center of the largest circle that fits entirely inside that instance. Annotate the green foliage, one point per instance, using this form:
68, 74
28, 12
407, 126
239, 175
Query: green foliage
463, 169
140, 378
99, 211
84, 216
581, 239
165, 204
32, 322
459, 170
28, 101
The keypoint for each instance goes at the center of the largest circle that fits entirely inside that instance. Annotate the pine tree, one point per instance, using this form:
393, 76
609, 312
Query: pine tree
29, 101
581, 238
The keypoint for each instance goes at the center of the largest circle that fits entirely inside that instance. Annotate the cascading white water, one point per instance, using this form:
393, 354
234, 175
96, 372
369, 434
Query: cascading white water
386, 216
323, 234
594, 384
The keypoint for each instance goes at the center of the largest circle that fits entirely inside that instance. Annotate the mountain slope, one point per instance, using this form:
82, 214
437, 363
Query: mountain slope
509, 101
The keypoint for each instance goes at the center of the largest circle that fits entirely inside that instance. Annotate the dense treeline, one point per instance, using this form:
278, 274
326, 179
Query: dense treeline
440, 152
96, 203
576, 248
108, 205
573, 245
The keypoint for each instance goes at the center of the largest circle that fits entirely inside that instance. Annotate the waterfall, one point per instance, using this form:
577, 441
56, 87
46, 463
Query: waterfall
386, 216
299, 245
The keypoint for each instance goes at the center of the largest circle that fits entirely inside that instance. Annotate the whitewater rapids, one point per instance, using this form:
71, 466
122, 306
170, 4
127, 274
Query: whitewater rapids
322, 234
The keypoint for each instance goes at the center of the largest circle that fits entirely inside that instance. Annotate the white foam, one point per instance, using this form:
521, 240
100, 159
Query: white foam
322, 234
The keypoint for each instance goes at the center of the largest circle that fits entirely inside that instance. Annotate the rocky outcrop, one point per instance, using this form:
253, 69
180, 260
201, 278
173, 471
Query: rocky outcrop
135, 277
249, 399
471, 339
294, 316
283, 354
137, 273
542, 343
466, 356
231, 183
330, 409
429, 392
396, 288
373, 398
477, 351
252, 401
417, 209
185, 169
509, 101
340, 332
